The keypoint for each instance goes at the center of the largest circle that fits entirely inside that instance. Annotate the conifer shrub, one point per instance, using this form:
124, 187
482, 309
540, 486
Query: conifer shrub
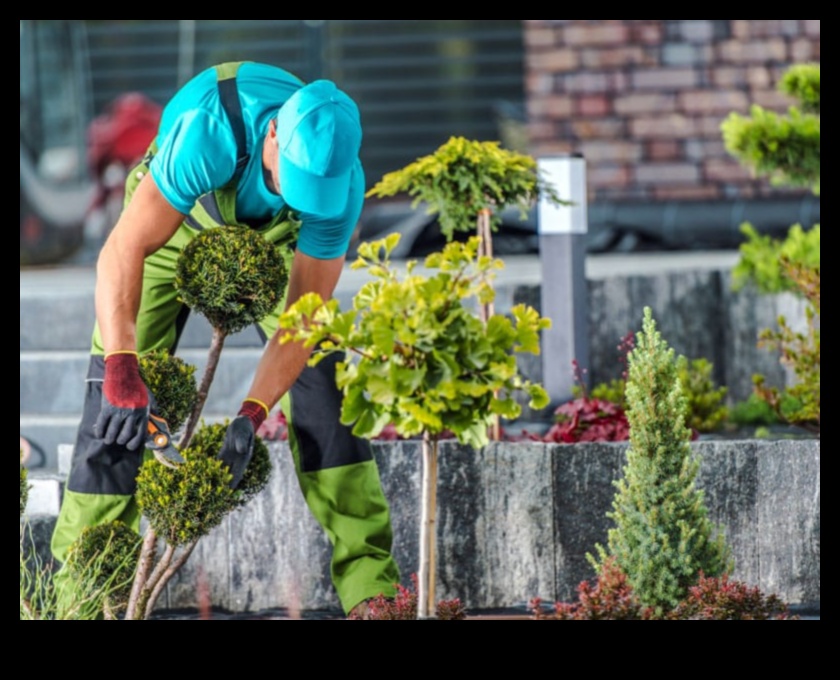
662, 538
232, 276
115, 548
186, 503
172, 381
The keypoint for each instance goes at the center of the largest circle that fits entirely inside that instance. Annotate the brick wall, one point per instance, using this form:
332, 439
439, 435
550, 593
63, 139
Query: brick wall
643, 99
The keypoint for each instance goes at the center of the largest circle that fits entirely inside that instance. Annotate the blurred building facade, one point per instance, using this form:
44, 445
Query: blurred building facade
643, 99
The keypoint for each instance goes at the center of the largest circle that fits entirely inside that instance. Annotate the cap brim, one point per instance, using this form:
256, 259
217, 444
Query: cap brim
308, 193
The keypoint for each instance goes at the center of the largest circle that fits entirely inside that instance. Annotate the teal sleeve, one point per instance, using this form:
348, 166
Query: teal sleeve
327, 239
196, 155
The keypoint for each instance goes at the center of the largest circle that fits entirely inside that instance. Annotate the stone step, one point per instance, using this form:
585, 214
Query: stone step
45, 494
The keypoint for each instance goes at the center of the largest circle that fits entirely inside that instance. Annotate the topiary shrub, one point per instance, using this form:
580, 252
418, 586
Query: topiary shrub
184, 504
114, 549
173, 383
234, 278
663, 538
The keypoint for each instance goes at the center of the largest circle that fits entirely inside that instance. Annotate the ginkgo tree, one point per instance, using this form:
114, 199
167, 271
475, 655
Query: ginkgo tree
468, 184
417, 357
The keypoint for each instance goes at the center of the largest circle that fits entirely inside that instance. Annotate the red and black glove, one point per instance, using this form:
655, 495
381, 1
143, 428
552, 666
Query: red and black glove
238, 447
123, 418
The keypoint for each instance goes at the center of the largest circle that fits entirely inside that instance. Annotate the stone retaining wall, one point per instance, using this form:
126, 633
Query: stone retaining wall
516, 521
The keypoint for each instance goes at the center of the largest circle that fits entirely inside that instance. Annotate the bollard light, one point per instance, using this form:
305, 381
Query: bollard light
565, 295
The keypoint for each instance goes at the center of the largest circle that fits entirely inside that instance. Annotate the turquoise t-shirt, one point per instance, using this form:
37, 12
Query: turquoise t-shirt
197, 155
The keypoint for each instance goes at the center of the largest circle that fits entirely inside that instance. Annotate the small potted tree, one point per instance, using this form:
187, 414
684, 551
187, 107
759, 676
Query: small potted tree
417, 358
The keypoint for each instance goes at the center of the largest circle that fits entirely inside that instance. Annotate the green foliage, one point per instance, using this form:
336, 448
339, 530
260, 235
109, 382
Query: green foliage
800, 352
184, 504
46, 597
463, 178
232, 276
24, 487
173, 383
762, 256
417, 356
783, 148
115, 548
755, 412
802, 82
662, 538
706, 403
612, 392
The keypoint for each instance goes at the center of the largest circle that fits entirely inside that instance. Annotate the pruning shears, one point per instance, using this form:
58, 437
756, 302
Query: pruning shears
159, 442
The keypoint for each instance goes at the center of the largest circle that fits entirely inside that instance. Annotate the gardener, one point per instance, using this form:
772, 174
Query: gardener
251, 145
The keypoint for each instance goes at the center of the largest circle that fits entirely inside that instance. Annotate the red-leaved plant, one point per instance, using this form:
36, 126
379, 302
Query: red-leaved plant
403, 607
610, 598
719, 599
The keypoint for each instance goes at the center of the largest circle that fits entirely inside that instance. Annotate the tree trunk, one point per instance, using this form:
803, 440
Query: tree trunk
216, 346
426, 607
485, 233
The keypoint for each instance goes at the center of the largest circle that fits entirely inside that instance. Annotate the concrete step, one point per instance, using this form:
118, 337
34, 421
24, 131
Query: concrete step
52, 383
46, 491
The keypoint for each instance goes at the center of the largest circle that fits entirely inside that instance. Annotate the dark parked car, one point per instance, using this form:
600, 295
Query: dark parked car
613, 228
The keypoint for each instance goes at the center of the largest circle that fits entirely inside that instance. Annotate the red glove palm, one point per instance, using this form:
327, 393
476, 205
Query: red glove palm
123, 418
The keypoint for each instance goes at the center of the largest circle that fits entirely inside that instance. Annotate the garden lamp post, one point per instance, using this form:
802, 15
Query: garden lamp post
562, 233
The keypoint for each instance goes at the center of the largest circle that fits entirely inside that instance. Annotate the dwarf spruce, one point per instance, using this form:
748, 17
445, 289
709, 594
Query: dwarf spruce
663, 538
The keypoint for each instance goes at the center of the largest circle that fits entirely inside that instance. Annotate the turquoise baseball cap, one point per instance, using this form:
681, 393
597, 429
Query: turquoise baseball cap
319, 135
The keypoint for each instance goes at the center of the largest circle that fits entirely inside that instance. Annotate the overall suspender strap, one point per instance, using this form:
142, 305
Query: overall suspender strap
229, 96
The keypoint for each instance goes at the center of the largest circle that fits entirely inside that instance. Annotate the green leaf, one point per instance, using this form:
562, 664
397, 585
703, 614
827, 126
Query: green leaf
506, 408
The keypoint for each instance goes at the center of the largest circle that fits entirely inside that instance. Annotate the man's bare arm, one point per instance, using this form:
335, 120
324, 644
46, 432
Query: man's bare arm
281, 365
146, 224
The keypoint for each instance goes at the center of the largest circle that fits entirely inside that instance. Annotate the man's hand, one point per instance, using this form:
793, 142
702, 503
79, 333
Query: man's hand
238, 447
124, 416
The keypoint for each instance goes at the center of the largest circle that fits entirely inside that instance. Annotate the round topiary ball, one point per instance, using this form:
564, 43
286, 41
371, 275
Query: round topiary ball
104, 559
184, 504
231, 275
207, 443
172, 382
